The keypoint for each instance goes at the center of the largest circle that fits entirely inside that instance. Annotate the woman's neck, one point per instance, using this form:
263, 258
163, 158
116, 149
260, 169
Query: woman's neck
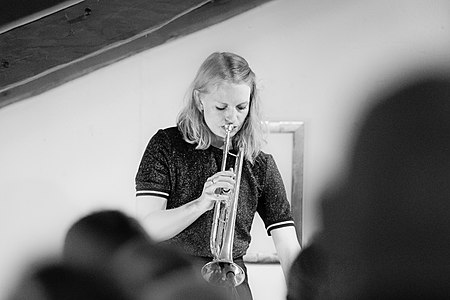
217, 141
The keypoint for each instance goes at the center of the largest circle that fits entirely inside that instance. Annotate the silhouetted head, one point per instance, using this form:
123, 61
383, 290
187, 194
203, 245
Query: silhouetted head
390, 222
92, 240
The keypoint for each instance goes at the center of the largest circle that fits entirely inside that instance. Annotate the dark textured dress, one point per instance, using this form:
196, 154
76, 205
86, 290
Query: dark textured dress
174, 169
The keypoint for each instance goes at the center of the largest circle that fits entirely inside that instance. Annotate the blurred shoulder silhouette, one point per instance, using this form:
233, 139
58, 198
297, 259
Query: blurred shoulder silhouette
183, 285
308, 273
386, 230
58, 281
141, 266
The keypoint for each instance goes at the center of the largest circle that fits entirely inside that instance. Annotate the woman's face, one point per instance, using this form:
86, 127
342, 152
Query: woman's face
227, 103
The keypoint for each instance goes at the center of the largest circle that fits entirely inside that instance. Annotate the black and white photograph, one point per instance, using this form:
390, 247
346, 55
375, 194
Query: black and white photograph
224, 149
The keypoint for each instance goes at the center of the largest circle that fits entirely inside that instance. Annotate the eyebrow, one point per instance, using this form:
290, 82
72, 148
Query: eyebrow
242, 103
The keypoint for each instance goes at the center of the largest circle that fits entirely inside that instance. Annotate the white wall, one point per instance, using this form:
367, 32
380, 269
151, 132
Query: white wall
76, 148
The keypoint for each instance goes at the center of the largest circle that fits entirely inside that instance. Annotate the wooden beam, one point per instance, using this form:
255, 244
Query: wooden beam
16, 13
85, 37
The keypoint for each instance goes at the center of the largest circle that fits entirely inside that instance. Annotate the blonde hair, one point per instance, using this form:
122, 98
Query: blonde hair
222, 67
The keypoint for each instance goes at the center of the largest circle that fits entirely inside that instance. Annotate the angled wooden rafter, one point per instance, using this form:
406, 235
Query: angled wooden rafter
88, 35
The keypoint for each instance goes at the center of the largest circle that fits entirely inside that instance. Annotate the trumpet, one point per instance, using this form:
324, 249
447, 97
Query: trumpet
222, 271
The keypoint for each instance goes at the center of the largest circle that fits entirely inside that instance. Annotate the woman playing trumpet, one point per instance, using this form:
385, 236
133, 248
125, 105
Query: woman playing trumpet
180, 171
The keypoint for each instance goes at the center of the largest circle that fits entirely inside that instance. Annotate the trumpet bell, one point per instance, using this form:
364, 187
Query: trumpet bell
223, 273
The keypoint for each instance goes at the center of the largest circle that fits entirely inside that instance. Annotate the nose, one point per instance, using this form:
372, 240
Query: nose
230, 116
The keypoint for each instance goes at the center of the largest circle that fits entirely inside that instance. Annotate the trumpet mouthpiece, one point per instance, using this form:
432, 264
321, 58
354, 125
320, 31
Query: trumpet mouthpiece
229, 127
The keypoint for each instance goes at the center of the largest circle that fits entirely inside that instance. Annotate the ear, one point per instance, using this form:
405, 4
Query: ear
197, 99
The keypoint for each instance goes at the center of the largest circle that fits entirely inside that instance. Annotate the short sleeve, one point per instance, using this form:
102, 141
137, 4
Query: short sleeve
273, 206
153, 175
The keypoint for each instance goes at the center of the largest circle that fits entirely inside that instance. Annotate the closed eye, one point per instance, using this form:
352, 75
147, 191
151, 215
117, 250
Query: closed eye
220, 108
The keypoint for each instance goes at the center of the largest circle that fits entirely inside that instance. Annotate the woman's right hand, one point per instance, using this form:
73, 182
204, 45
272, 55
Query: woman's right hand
223, 180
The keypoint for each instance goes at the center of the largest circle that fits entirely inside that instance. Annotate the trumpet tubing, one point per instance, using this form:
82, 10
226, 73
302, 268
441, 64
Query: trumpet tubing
222, 271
